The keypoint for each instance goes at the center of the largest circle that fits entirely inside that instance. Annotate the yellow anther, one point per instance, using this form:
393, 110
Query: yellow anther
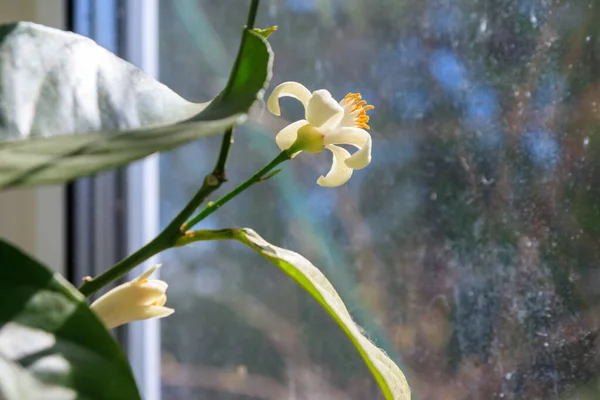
355, 105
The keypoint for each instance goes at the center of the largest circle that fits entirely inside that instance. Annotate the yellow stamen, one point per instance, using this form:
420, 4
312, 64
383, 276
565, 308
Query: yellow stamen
358, 107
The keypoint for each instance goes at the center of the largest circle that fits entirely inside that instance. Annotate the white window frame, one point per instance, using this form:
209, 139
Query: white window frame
116, 212
142, 194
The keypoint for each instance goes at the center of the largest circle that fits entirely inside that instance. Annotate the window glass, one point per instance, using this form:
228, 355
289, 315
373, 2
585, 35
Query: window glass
468, 249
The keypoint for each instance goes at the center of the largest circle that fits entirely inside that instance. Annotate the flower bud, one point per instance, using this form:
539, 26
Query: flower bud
135, 300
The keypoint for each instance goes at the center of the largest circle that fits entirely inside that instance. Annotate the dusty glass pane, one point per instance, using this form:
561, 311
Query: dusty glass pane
468, 249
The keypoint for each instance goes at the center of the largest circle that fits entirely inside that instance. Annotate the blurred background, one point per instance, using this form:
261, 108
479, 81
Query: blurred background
468, 249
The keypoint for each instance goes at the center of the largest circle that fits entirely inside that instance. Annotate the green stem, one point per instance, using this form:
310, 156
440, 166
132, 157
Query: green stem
174, 235
205, 234
219, 171
252, 14
166, 239
169, 236
257, 177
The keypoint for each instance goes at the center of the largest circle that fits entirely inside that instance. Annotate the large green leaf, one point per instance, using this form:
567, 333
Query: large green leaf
51, 342
389, 377
70, 108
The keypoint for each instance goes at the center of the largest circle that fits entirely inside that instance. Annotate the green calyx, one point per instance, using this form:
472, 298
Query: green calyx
309, 139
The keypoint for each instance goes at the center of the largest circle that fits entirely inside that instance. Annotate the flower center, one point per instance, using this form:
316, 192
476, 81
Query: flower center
355, 110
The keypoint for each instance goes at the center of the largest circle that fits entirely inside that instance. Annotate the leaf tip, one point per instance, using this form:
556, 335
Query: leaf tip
265, 32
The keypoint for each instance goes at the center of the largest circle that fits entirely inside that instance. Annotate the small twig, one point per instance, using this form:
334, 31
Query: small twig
256, 178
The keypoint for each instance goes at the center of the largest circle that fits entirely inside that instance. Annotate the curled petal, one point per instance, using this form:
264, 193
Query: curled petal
287, 136
153, 312
114, 317
161, 301
323, 111
287, 89
156, 284
146, 274
356, 137
146, 293
339, 172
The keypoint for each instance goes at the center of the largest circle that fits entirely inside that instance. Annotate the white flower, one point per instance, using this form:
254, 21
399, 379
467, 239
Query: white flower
327, 124
135, 300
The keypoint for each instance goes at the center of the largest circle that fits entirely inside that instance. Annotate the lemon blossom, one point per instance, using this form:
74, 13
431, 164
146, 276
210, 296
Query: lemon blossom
327, 123
135, 300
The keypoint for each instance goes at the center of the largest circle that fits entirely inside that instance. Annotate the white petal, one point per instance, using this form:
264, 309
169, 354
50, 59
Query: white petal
356, 137
287, 136
157, 283
120, 317
146, 274
113, 298
145, 294
339, 172
161, 301
287, 89
323, 111
158, 312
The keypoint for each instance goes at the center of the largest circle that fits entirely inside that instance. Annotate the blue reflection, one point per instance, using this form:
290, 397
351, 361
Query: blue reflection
530, 7
412, 104
491, 139
411, 51
481, 106
448, 70
444, 20
397, 151
550, 90
321, 203
302, 6
388, 63
542, 148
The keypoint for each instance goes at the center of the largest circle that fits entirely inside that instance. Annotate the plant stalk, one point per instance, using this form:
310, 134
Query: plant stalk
172, 235
169, 236
256, 178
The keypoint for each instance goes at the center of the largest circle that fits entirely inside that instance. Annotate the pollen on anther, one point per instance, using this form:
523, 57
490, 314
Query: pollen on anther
357, 107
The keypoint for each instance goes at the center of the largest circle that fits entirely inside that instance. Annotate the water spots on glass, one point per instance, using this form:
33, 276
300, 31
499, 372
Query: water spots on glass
207, 281
398, 150
542, 148
301, 6
481, 107
412, 104
411, 51
550, 91
321, 203
443, 19
533, 9
484, 173
448, 70
483, 26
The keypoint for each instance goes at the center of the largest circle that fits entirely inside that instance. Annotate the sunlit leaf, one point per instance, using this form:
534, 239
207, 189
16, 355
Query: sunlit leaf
51, 342
70, 108
387, 374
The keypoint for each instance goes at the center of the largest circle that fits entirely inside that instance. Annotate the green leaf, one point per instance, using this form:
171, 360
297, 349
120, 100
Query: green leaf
389, 377
70, 108
51, 341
